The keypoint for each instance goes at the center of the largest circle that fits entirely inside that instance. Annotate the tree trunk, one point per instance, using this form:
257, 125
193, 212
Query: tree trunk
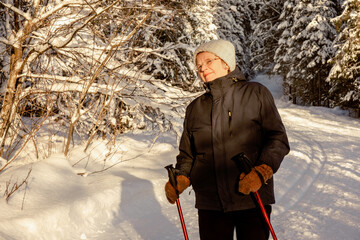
9, 104
319, 86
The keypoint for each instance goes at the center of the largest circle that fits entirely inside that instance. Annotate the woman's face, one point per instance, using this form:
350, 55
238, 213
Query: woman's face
210, 66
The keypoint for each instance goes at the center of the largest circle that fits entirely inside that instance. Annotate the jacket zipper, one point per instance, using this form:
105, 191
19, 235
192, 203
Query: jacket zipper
230, 118
224, 154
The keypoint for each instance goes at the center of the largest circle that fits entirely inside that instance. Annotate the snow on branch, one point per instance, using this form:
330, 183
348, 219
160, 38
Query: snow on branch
57, 43
151, 51
161, 49
74, 79
5, 41
59, 7
102, 65
16, 10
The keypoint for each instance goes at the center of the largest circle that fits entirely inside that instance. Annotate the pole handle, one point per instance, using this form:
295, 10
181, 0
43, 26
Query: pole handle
242, 162
172, 177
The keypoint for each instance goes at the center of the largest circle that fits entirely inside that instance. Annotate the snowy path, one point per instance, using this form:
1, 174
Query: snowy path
317, 187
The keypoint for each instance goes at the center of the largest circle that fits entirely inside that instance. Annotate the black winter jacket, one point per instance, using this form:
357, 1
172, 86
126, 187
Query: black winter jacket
233, 116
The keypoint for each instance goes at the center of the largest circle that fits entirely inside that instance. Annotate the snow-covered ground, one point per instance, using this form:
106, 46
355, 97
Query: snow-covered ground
317, 186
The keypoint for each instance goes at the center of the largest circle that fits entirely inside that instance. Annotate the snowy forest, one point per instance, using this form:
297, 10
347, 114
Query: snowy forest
93, 95
101, 68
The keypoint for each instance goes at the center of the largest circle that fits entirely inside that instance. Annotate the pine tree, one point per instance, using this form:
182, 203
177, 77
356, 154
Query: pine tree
344, 77
309, 47
282, 53
316, 49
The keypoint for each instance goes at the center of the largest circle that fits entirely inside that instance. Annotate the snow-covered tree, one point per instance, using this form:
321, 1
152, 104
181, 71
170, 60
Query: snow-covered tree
305, 48
234, 23
266, 34
95, 66
229, 19
282, 52
344, 77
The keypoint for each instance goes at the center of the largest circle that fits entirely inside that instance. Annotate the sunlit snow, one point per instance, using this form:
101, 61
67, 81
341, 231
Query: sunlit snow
317, 186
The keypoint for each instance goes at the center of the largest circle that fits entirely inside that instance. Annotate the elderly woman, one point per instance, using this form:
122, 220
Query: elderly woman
233, 116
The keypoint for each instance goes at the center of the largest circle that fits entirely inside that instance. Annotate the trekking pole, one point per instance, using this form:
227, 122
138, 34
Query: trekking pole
243, 163
172, 180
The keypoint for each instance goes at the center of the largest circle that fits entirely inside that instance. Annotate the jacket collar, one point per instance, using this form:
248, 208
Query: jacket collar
220, 85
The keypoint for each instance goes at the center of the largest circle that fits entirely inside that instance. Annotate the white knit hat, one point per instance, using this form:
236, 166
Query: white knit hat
221, 48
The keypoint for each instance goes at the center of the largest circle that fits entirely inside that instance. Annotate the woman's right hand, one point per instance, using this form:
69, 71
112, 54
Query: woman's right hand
170, 192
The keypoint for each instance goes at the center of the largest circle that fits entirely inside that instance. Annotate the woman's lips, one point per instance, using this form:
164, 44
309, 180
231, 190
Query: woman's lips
206, 74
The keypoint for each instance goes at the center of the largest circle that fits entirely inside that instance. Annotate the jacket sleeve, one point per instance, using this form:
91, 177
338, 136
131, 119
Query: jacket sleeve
275, 141
184, 159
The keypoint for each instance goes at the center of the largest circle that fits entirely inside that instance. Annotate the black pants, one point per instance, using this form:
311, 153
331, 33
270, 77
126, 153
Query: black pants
249, 224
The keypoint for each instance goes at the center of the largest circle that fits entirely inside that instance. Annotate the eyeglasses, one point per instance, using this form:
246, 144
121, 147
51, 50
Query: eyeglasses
207, 63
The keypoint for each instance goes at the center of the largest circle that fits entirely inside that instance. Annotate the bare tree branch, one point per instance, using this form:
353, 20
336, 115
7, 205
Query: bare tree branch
18, 11
97, 62
5, 41
68, 40
58, 8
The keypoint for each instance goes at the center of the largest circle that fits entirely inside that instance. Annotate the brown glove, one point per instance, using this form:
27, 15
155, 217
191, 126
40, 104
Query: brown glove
254, 179
182, 183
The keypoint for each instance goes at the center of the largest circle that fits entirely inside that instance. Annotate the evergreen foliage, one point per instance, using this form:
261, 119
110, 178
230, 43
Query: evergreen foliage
306, 49
344, 77
282, 53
